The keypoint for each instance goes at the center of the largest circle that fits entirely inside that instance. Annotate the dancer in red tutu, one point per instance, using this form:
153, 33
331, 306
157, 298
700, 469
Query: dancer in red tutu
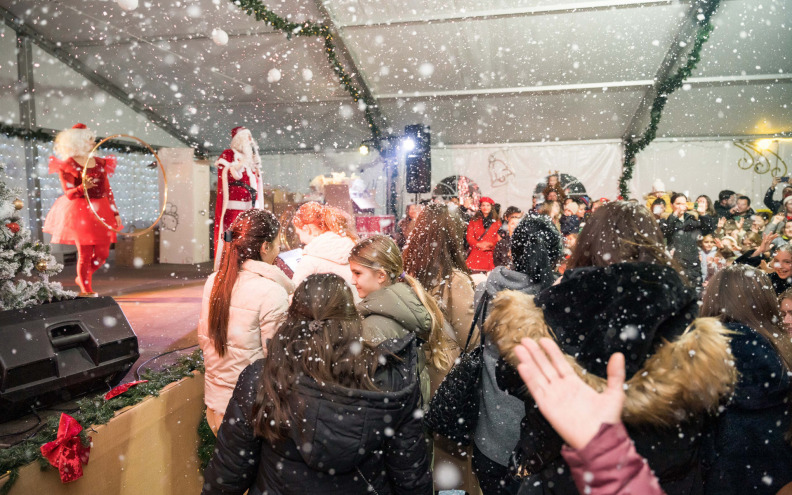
70, 220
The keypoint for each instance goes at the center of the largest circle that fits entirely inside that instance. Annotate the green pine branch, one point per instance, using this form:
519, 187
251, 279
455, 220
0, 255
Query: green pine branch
310, 29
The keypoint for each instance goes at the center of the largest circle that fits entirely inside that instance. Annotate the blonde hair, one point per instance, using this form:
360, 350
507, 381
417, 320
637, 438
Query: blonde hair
327, 218
379, 252
73, 142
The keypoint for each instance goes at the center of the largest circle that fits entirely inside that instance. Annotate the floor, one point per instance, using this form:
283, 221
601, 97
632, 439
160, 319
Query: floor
162, 304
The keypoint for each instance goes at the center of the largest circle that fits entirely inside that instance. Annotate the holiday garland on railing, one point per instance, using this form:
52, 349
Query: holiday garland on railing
664, 90
94, 410
46, 136
310, 29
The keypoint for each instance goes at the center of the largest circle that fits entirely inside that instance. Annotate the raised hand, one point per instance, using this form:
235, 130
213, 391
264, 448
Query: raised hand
767, 241
575, 410
721, 222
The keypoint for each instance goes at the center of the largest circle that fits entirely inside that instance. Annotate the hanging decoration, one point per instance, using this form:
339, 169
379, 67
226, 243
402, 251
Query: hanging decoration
68, 452
312, 30
219, 37
664, 90
128, 5
758, 158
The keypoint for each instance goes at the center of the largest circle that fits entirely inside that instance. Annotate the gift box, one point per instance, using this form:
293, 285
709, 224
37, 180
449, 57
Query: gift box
128, 248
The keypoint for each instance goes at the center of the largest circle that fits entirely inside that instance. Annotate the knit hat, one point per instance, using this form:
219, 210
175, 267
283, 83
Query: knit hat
536, 246
487, 199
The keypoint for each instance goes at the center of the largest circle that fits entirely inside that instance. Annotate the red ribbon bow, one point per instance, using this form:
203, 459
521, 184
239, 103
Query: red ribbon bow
67, 453
116, 391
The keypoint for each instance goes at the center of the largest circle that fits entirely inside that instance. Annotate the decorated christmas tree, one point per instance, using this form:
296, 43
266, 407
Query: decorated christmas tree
25, 265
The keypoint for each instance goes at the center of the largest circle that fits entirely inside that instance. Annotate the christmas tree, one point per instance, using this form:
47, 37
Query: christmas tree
20, 256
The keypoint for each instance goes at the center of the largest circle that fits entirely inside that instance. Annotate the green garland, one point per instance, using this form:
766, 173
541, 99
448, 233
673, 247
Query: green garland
664, 90
206, 442
92, 411
262, 13
45, 136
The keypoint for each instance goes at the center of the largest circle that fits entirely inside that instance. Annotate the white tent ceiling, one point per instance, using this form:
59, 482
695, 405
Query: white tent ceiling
499, 71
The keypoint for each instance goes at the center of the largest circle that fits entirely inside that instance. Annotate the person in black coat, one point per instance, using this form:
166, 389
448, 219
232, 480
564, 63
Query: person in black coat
620, 293
324, 412
747, 451
682, 231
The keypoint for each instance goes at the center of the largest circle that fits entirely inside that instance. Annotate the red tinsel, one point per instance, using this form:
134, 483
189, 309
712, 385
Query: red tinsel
121, 389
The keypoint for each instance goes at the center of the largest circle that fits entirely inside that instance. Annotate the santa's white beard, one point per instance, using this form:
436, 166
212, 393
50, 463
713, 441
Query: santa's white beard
247, 154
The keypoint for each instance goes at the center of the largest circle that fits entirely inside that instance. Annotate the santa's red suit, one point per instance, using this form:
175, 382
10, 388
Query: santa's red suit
238, 174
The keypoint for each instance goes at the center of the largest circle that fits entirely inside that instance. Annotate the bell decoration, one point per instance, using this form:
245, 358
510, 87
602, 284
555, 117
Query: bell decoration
42, 265
18, 204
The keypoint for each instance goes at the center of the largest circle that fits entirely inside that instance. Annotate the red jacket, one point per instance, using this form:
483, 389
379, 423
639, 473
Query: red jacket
481, 259
609, 465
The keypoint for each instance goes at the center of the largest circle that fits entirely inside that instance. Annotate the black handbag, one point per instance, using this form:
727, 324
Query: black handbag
454, 408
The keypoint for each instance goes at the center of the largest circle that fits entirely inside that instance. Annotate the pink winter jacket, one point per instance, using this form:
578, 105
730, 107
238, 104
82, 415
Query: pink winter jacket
609, 465
259, 302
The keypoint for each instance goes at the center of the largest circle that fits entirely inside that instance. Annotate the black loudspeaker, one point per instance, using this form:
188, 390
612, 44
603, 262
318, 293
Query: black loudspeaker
57, 351
419, 159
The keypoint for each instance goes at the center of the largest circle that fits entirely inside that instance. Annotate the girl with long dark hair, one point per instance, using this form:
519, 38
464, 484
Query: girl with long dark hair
434, 255
244, 301
748, 448
325, 412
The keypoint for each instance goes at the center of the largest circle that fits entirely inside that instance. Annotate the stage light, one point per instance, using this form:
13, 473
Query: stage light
408, 144
364, 150
764, 144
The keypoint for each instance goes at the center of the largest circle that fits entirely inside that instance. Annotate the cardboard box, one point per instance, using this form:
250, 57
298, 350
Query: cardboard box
129, 248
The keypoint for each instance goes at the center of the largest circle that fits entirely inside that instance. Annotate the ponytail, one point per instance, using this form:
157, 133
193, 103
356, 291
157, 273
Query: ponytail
250, 230
439, 342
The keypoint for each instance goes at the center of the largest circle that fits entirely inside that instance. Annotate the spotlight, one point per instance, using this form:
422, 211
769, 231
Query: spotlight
764, 144
364, 150
408, 144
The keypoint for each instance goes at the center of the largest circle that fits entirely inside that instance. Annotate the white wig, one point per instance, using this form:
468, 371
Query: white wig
74, 142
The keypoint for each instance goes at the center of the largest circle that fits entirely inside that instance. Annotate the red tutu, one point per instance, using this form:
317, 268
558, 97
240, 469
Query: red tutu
70, 221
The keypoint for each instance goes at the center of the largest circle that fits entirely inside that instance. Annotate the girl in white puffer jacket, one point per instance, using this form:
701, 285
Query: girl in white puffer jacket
244, 303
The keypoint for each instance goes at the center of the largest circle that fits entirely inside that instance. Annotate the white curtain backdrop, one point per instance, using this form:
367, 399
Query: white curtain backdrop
509, 174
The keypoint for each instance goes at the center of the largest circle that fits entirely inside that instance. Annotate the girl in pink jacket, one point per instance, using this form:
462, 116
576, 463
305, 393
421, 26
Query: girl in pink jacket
244, 303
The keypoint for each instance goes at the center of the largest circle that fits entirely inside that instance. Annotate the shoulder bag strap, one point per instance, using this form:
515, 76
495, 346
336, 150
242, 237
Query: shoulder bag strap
479, 316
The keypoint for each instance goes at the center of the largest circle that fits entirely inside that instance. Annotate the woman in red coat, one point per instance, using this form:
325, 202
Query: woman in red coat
482, 235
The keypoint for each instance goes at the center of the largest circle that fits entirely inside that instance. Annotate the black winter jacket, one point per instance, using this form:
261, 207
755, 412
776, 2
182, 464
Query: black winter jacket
641, 310
682, 236
352, 441
745, 451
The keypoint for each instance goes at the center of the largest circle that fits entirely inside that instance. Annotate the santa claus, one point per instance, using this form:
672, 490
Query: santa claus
239, 184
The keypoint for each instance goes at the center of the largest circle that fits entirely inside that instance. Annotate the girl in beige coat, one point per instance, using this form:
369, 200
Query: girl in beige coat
244, 303
435, 256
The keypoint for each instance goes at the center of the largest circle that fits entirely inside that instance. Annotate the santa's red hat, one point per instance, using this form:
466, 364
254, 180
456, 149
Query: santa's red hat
235, 130
79, 126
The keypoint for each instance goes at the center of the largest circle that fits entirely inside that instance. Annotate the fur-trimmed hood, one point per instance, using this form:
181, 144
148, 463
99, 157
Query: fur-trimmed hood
686, 374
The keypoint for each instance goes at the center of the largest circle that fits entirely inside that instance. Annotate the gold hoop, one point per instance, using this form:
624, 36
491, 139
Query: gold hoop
91, 206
